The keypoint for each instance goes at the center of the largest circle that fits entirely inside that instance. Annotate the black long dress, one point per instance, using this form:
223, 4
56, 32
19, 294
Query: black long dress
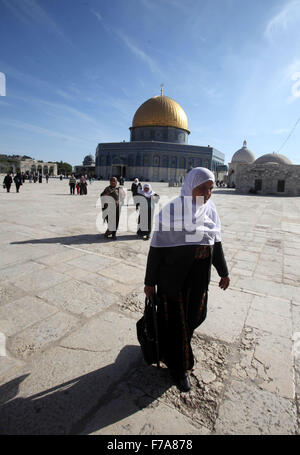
146, 209
182, 275
112, 212
7, 182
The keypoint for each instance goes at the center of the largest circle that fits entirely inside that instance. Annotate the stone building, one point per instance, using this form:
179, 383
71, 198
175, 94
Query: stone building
158, 149
271, 173
28, 166
87, 168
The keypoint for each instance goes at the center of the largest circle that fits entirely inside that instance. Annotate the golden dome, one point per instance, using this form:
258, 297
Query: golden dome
160, 111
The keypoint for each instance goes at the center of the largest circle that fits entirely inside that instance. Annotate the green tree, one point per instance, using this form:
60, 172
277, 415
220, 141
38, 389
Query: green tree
64, 168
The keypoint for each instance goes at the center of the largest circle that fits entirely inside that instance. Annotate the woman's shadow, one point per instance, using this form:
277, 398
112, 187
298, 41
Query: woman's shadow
86, 403
76, 239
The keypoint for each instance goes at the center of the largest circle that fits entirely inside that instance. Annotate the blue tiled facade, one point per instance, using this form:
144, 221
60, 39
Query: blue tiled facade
155, 153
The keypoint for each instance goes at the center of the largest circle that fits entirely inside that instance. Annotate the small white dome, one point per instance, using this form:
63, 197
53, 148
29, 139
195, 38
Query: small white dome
89, 161
243, 155
273, 158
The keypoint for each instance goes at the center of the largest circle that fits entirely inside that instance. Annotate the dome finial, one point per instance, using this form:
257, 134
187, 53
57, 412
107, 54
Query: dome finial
245, 143
161, 89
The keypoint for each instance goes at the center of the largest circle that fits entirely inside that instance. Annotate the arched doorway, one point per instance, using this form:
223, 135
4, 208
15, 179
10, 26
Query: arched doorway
118, 167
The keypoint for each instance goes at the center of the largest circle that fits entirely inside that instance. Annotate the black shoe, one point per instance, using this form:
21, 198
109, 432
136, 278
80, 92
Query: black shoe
114, 237
182, 380
147, 237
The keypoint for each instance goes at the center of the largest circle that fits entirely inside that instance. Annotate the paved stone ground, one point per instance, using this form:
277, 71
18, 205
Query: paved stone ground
69, 302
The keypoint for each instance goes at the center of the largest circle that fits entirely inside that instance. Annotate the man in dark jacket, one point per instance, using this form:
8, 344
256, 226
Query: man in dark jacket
18, 181
7, 182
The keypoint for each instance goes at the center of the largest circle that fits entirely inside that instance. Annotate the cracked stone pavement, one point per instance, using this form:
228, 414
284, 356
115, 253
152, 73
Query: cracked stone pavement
70, 362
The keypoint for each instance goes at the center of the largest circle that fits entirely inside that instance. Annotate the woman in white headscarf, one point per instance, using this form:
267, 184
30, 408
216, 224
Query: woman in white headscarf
135, 187
145, 202
187, 241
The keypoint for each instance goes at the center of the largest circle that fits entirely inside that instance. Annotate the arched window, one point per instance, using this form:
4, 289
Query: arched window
165, 161
156, 160
131, 160
190, 163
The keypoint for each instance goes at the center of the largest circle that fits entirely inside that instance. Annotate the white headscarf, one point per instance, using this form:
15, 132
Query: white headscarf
148, 193
183, 222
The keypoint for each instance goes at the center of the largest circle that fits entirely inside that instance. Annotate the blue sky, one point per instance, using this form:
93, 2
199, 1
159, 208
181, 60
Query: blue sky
77, 70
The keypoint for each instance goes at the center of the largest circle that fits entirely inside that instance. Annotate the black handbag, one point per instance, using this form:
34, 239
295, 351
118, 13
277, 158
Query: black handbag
147, 332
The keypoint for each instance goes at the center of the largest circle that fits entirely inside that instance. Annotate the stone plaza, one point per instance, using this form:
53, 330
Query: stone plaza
70, 362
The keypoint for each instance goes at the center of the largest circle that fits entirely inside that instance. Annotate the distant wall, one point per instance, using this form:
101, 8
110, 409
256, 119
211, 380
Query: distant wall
280, 179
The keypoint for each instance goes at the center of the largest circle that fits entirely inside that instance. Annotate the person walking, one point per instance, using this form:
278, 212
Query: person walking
145, 203
7, 182
18, 181
83, 185
135, 187
185, 245
72, 184
47, 177
112, 199
41, 178
78, 187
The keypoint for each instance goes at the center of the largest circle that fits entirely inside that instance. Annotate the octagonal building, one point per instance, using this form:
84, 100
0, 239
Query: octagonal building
158, 149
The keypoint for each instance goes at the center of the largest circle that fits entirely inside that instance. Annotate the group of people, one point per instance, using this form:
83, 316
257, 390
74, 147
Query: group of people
17, 179
179, 260
185, 245
80, 185
20, 178
112, 200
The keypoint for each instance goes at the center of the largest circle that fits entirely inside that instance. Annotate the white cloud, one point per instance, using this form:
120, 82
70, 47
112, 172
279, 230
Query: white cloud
97, 14
29, 11
4, 103
130, 44
281, 131
101, 20
64, 94
291, 76
40, 130
289, 14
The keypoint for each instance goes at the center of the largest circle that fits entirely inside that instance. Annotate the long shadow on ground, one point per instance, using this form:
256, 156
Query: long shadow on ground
77, 239
94, 400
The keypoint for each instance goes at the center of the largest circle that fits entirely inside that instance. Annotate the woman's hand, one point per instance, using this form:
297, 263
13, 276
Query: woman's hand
224, 282
149, 290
